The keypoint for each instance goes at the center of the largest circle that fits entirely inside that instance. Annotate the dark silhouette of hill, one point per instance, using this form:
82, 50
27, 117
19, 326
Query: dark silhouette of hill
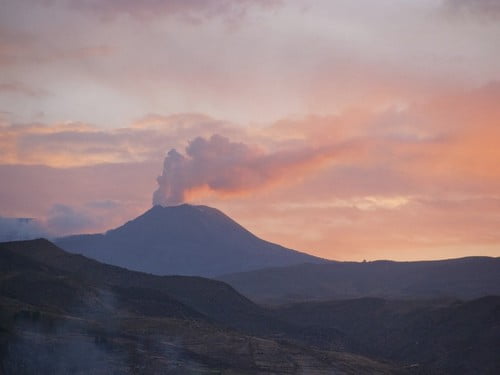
63, 313
183, 240
464, 278
34, 272
433, 337
214, 299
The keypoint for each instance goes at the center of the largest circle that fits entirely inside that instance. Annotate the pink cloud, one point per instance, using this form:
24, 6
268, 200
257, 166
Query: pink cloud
486, 9
21, 88
418, 181
225, 167
192, 10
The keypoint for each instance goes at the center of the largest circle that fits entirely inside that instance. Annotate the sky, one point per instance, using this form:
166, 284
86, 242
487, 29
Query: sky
347, 129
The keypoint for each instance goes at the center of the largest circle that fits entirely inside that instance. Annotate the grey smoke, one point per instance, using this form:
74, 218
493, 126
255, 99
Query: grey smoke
63, 219
223, 166
88, 339
170, 184
20, 228
216, 163
59, 220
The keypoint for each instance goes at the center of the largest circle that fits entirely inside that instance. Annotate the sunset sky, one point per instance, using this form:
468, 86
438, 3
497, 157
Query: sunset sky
347, 129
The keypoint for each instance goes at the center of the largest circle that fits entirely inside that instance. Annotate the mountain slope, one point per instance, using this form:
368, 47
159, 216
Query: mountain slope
214, 299
464, 278
54, 306
436, 337
183, 240
62, 313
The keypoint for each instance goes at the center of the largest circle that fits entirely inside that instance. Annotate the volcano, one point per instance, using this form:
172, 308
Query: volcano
184, 240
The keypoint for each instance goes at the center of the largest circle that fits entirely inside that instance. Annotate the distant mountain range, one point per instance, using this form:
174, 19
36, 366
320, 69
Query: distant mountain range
464, 278
184, 240
382, 317
202, 241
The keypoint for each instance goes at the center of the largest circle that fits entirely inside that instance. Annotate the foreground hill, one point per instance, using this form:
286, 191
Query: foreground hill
464, 278
432, 337
54, 306
62, 313
214, 299
183, 240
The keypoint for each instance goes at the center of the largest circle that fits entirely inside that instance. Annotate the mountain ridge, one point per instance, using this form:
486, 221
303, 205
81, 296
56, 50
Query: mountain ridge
463, 278
184, 240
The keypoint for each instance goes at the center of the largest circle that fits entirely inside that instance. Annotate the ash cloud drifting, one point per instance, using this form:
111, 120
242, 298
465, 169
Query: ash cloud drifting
222, 166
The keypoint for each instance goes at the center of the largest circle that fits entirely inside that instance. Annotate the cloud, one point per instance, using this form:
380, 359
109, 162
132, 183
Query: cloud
64, 219
15, 229
191, 10
483, 8
106, 204
223, 166
408, 179
100, 196
21, 46
21, 88
353, 57
75, 144
14, 45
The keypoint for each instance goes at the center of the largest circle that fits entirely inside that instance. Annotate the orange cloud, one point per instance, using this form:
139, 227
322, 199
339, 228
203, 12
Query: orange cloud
223, 166
412, 182
76, 144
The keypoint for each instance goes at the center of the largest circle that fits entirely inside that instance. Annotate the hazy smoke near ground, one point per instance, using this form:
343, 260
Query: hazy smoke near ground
16, 228
222, 166
63, 219
59, 220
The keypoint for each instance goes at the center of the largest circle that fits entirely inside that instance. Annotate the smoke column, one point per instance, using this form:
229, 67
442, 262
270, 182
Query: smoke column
222, 166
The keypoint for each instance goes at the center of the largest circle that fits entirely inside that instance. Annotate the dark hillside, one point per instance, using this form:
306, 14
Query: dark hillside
183, 240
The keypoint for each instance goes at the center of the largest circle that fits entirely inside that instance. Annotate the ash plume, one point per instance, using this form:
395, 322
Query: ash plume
219, 165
